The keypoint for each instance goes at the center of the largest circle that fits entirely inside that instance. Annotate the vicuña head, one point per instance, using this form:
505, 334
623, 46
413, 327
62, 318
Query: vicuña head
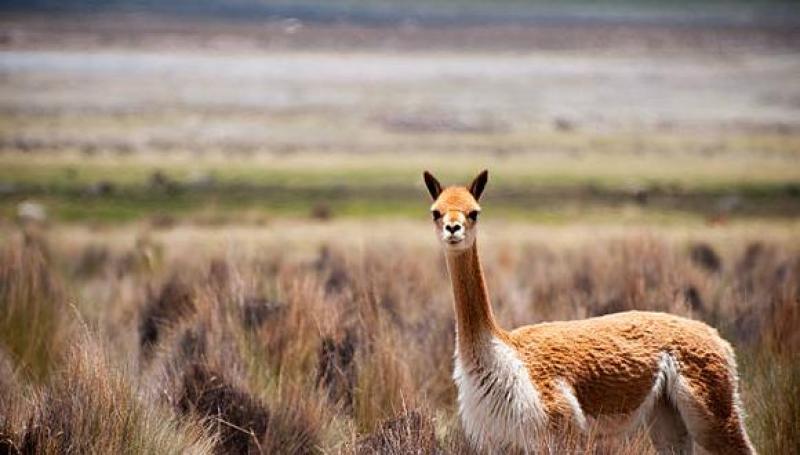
455, 210
520, 390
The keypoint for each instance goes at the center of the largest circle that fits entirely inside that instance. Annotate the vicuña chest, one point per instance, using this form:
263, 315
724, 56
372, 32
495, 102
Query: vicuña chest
500, 407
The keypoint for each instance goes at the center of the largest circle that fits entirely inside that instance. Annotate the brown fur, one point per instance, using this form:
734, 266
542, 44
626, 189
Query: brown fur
611, 363
612, 360
456, 199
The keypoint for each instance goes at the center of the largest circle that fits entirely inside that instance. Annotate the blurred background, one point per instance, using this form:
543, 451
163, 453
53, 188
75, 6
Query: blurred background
243, 111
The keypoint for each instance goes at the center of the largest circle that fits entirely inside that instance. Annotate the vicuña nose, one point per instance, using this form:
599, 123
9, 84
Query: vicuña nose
453, 228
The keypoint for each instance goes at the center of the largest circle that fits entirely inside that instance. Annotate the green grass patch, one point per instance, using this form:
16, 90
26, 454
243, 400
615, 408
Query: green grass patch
549, 189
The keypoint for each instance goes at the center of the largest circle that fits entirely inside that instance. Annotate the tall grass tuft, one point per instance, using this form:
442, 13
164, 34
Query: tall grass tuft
772, 400
34, 311
410, 432
92, 407
241, 422
11, 411
212, 364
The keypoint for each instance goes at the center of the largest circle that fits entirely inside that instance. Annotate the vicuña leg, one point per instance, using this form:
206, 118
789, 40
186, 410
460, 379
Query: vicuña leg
667, 430
712, 415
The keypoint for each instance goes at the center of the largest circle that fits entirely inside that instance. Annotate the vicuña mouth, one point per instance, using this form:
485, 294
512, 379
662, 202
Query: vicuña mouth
453, 241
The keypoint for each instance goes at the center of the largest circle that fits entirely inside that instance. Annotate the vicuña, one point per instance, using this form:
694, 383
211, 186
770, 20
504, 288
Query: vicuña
519, 389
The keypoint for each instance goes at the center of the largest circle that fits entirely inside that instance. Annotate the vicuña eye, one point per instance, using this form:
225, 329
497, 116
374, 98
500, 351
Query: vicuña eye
436, 214
473, 215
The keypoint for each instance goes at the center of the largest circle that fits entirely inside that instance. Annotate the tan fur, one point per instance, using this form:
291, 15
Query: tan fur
476, 320
615, 371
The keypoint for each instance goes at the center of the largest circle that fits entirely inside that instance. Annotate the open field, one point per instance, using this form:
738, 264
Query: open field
214, 235
544, 187
338, 336
681, 133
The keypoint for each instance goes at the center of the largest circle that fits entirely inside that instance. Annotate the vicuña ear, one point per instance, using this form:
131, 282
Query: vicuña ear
434, 187
478, 184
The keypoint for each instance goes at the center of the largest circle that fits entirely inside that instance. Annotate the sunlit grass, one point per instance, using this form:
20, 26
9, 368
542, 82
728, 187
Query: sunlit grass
546, 187
273, 306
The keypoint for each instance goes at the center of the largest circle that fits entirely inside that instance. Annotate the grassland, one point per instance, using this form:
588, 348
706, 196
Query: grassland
336, 337
577, 176
684, 135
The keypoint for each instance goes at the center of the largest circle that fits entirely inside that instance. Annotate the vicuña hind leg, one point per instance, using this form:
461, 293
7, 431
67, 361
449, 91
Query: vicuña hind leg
667, 430
712, 415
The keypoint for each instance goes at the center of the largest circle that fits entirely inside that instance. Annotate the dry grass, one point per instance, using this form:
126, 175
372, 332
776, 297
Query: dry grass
773, 397
33, 306
92, 406
270, 343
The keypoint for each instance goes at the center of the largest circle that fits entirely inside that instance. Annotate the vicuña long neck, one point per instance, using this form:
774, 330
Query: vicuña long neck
475, 322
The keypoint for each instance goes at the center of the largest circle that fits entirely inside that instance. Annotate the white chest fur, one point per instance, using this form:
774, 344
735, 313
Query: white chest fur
500, 407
